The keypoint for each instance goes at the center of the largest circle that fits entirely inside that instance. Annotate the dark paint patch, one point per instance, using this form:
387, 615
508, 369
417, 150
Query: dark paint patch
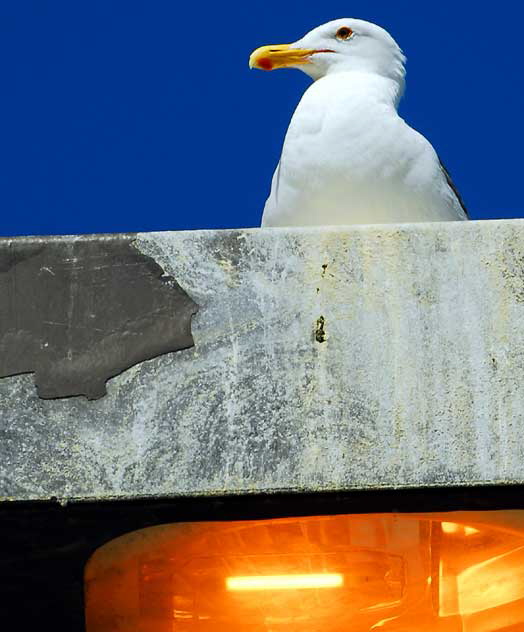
78, 311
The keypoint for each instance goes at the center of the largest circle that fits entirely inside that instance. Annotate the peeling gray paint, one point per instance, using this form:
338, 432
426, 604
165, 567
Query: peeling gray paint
77, 311
417, 383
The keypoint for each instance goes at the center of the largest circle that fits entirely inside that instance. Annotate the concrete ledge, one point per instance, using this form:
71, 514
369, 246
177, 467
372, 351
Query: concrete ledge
324, 359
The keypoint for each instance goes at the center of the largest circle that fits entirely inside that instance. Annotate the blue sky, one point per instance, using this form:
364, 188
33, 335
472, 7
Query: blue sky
128, 116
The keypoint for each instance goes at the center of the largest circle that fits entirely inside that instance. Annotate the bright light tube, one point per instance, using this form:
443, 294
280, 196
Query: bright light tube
284, 582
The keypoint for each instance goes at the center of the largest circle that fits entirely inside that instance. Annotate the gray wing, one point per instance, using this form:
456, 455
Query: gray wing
454, 188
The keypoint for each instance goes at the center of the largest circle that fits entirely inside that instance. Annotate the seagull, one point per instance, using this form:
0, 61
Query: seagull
348, 157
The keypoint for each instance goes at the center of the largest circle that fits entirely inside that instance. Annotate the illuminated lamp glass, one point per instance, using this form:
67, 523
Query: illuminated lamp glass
449, 572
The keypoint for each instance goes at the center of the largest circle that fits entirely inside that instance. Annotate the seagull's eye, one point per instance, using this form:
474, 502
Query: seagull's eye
344, 33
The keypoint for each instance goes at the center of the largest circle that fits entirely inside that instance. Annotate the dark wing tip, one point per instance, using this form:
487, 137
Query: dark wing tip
454, 188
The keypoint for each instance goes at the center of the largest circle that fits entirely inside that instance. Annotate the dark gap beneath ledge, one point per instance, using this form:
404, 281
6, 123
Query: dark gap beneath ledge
45, 545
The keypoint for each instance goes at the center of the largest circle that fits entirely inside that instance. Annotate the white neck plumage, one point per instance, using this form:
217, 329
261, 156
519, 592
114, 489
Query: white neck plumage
367, 86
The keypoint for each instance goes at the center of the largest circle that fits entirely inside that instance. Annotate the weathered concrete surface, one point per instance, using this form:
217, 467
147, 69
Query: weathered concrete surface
419, 380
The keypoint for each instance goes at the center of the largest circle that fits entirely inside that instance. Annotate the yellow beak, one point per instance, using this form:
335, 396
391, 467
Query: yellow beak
281, 56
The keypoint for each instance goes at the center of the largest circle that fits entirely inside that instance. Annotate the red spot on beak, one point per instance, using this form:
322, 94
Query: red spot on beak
265, 64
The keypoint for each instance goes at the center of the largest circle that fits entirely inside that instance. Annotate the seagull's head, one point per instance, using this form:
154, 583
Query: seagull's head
339, 46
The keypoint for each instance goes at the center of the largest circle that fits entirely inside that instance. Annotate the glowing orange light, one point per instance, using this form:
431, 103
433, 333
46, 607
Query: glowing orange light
453, 527
451, 572
470, 530
284, 582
